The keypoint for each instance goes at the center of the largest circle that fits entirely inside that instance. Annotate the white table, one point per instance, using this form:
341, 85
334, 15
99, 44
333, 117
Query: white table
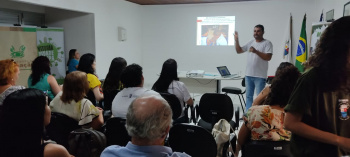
209, 83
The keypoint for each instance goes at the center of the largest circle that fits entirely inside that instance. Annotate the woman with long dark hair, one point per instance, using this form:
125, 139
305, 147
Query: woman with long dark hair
168, 82
41, 77
22, 123
73, 60
112, 83
265, 122
87, 64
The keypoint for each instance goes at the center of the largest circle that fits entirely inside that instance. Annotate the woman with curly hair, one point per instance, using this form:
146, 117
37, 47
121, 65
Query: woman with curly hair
260, 99
41, 77
87, 64
265, 122
318, 109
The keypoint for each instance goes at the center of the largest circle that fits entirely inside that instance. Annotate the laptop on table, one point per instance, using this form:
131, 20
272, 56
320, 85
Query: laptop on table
225, 73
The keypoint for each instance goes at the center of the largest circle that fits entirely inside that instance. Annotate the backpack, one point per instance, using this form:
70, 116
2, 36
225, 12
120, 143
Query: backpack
86, 143
221, 133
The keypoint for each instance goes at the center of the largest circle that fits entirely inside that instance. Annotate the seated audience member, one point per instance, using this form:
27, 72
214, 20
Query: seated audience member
168, 82
73, 60
265, 122
317, 113
22, 123
132, 80
112, 83
148, 122
87, 64
9, 72
72, 103
41, 77
260, 99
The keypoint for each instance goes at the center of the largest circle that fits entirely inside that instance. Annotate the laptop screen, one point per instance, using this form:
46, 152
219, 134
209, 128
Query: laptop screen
223, 70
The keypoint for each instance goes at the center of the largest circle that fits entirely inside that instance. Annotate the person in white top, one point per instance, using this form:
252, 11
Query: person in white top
260, 52
168, 82
132, 80
72, 103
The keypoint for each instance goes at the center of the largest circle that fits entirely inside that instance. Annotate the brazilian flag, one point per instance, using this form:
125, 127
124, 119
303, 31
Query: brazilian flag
302, 47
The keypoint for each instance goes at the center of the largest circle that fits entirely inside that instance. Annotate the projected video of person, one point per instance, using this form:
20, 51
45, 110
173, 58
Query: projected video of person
214, 35
215, 31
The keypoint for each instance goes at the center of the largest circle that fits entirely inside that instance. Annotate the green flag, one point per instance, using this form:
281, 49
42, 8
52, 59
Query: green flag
302, 48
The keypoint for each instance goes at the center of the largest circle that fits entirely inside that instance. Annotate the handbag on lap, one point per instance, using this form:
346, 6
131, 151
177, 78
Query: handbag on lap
221, 133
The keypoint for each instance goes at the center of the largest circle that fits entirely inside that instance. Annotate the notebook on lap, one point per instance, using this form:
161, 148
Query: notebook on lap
225, 73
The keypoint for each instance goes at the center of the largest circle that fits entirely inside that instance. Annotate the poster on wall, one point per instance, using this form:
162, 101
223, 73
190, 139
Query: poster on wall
316, 32
19, 44
50, 43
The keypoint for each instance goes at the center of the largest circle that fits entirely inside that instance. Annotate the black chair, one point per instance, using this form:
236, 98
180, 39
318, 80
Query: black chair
174, 103
261, 148
59, 128
193, 140
213, 107
237, 91
91, 96
115, 132
107, 102
108, 98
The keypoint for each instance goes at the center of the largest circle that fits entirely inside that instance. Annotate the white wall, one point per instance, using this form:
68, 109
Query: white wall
79, 29
108, 15
156, 33
169, 31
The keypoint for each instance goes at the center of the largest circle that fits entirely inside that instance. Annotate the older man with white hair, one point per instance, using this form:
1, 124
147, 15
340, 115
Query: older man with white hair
148, 122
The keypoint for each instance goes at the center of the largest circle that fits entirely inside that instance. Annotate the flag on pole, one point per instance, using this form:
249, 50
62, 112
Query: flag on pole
287, 53
301, 56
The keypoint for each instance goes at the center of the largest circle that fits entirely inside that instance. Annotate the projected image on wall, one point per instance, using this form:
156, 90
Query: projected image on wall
215, 31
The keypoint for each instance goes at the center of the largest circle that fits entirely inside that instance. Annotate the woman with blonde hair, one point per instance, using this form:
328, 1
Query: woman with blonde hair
72, 103
9, 72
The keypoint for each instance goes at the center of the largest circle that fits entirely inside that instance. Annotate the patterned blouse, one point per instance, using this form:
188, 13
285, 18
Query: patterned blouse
266, 123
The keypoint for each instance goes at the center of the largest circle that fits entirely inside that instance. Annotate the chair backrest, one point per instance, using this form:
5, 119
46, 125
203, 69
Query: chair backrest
115, 132
215, 106
193, 140
174, 103
243, 82
108, 98
236, 119
59, 128
261, 148
91, 96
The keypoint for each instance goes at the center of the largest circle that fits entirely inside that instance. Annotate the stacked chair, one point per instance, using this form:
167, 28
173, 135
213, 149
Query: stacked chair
237, 91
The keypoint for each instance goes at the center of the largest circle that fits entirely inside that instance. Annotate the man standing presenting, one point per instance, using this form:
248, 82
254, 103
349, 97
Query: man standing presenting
260, 52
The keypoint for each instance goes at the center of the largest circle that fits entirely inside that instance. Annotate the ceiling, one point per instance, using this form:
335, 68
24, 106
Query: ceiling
162, 2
